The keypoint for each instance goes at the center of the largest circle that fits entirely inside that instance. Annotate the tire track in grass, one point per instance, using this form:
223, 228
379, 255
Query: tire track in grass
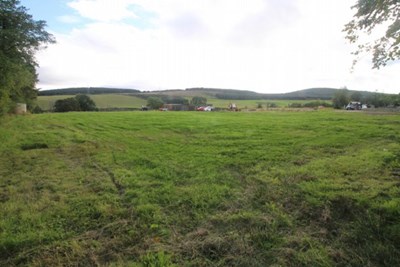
120, 188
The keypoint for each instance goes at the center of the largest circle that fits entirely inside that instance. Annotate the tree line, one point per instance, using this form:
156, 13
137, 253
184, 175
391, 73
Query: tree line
87, 90
77, 103
344, 96
156, 102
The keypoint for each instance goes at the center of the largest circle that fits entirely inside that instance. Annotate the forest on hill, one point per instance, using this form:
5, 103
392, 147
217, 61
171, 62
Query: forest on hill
87, 90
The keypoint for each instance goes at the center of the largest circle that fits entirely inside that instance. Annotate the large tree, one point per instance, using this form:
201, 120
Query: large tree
78, 103
20, 38
66, 105
372, 17
155, 102
86, 103
340, 98
198, 101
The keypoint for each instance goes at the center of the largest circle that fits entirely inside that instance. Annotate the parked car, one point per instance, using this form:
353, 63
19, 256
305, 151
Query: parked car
354, 106
207, 108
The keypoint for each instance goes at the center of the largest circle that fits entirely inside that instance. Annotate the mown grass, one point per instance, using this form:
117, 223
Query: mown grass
317, 188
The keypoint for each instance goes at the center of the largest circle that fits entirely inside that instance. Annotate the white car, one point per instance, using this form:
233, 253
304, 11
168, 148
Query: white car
209, 108
354, 106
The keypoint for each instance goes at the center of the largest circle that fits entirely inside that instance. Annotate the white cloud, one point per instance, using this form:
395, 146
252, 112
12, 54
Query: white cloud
69, 19
267, 46
103, 10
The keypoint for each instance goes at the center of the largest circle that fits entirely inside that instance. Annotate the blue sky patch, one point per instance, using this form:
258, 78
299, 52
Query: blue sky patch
58, 15
144, 17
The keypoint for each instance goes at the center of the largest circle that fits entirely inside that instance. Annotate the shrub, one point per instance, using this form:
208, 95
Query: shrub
340, 99
295, 105
65, 105
271, 105
77, 103
86, 103
154, 102
37, 110
314, 104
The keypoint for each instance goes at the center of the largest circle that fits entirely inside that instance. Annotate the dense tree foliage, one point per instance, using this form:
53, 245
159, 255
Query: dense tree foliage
67, 104
20, 38
157, 101
378, 100
382, 100
86, 103
167, 99
311, 104
198, 101
341, 98
154, 102
369, 17
77, 103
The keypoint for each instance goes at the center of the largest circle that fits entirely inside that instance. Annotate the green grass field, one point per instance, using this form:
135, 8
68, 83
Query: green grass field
317, 188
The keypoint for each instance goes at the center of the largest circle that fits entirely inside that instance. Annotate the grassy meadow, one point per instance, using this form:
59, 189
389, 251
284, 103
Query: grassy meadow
315, 188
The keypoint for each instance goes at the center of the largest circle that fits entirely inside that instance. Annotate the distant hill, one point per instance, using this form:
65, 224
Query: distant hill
228, 94
306, 94
320, 93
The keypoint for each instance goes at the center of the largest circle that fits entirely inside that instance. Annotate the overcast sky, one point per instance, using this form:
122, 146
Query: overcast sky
268, 46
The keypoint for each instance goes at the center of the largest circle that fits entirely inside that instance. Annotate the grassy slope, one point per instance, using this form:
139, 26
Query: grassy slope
208, 189
47, 102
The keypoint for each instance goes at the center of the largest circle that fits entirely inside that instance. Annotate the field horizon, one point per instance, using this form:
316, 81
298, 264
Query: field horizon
114, 99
